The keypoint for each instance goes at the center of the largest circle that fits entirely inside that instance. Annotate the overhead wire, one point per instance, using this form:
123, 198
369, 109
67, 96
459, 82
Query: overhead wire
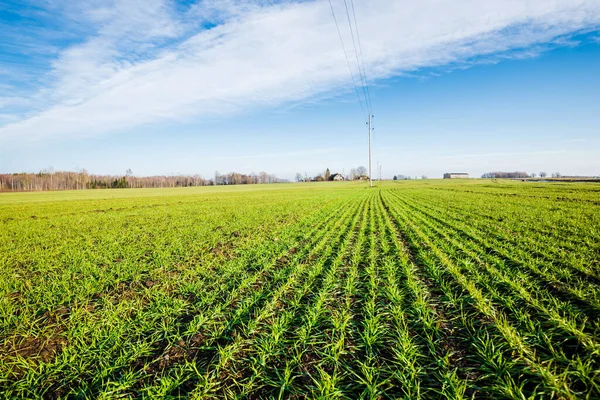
361, 57
356, 54
360, 63
348, 62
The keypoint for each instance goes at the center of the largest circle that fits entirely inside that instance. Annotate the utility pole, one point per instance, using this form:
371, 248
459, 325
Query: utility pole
370, 164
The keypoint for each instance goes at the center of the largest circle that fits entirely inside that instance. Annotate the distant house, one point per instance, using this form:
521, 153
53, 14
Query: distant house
336, 177
456, 175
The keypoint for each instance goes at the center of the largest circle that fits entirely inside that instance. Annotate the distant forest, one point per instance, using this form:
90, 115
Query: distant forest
66, 180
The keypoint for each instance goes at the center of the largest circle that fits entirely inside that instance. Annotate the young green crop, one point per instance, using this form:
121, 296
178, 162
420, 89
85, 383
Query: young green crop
432, 289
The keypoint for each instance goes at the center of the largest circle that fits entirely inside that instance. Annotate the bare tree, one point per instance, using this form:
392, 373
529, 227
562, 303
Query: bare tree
68, 180
505, 175
264, 177
353, 174
361, 171
543, 174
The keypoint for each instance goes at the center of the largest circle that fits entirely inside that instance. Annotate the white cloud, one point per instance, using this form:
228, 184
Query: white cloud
147, 61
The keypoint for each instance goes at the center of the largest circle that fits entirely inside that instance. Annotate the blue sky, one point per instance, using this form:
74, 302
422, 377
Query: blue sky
167, 87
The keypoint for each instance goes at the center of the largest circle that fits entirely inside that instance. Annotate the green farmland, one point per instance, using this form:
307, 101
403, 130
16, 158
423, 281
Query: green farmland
429, 289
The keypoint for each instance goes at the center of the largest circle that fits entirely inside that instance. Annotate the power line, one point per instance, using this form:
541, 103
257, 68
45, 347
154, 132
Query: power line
361, 56
363, 76
360, 70
348, 60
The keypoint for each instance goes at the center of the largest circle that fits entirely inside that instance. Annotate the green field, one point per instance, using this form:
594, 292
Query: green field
430, 289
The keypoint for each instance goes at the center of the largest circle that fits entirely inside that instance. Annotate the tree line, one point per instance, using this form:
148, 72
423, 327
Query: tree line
235, 178
518, 175
70, 180
407, 178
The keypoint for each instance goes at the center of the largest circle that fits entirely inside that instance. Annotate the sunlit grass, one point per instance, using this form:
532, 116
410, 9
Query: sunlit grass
431, 289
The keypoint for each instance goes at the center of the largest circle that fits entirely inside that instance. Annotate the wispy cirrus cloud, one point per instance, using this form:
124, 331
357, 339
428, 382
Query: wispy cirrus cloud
142, 62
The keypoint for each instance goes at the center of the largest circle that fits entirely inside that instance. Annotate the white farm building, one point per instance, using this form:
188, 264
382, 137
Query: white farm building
456, 175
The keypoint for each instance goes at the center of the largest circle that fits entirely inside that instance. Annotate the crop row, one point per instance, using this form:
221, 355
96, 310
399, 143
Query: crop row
334, 292
542, 343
